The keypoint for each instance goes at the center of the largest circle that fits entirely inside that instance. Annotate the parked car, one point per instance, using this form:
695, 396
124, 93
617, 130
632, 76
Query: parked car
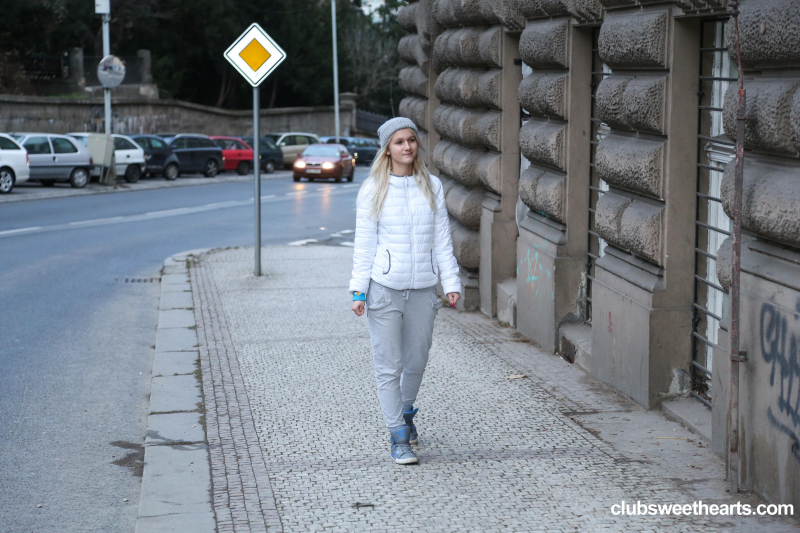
325, 161
197, 153
129, 158
159, 157
14, 164
361, 148
238, 154
292, 144
270, 155
56, 158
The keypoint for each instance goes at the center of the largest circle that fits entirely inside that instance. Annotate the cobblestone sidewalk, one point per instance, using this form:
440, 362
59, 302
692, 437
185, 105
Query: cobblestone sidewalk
297, 440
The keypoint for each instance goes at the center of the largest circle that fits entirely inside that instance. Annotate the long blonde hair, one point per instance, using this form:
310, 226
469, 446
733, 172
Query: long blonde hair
379, 178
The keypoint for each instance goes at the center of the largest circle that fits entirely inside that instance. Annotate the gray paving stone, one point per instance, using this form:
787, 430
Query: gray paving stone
176, 481
297, 439
176, 340
178, 523
175, 427
175, 287
171, 363
174, 393
174, 279
176, 300
175, 318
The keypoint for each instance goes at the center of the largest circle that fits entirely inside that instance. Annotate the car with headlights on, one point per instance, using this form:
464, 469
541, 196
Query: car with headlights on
325, 161
56, 158
14, 164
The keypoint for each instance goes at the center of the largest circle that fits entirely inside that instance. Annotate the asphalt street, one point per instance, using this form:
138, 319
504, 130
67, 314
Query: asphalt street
78, 340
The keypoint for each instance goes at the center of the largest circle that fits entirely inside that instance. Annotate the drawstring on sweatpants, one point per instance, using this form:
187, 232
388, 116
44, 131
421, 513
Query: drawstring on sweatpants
405, 294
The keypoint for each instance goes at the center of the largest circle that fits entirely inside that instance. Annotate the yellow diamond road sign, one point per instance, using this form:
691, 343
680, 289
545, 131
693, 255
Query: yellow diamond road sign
255, 55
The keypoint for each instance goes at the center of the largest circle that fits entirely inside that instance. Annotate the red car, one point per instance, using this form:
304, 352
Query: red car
237, 154
325, 161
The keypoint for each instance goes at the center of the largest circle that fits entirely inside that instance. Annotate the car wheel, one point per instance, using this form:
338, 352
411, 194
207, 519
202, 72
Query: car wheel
6, 180
296, 178
212, 168
269, 168
350, 177
133, 173
338, 179
79, 178
243, 168
310, 179
48, 183
171, 172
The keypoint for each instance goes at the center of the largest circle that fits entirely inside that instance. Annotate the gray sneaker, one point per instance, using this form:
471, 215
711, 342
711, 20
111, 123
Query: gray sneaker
409, 418
401, 449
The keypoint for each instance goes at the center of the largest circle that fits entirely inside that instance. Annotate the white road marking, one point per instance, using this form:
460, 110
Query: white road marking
347, 231
10, 231
267, 197
303, 242
351, 185
347, 243
95, 221
296, 193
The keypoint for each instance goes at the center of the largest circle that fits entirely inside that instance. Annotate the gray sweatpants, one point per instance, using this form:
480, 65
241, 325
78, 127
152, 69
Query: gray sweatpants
401, 332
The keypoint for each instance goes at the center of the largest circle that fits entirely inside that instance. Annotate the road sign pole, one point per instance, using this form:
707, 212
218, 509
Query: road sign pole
335, 71
257, 175
107, 91
255, 55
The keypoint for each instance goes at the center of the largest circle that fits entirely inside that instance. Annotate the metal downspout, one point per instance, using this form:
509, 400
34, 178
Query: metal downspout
736, 355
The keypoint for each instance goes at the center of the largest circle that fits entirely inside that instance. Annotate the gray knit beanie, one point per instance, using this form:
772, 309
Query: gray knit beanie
392, 126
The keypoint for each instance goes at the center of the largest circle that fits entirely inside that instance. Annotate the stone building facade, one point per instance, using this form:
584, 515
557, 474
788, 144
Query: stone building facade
586, 150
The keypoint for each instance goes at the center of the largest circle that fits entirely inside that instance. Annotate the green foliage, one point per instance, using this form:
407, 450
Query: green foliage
188, 37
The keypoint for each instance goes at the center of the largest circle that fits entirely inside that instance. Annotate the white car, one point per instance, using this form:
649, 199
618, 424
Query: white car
14, 164
128, 156
292, 144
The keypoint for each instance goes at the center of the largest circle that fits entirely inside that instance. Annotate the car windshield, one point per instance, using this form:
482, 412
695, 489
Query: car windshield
82, 139
323, 151
273, 138
16, 136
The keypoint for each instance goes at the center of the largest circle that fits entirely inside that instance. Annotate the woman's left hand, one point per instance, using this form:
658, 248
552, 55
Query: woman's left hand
454, 297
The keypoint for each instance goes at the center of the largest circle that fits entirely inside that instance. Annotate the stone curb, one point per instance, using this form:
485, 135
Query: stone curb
176, 483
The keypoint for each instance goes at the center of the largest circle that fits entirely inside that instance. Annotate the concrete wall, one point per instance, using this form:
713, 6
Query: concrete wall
143, 115
466, 87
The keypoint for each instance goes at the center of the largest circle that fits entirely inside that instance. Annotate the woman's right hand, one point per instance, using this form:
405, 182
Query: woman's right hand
359, 307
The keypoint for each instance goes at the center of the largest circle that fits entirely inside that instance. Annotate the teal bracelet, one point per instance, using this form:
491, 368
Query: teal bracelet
359, 296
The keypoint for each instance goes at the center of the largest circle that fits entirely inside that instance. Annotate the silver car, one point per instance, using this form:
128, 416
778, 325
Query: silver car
55, 158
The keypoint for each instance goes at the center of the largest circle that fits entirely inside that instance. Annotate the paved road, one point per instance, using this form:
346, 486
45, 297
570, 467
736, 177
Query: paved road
77, 345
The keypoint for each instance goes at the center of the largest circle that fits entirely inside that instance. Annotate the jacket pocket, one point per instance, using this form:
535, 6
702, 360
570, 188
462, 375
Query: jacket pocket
382, 301
390, 262
433, 268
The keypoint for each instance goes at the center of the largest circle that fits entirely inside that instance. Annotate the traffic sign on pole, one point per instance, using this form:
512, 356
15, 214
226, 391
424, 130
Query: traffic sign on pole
255, 55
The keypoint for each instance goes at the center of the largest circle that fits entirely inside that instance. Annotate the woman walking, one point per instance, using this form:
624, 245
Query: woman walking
402, 247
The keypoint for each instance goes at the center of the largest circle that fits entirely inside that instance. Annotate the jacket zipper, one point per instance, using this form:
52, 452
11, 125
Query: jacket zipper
432, 269
411, 216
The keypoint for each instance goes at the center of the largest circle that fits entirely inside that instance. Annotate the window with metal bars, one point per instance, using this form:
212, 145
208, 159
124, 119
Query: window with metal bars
714, 151
596, 186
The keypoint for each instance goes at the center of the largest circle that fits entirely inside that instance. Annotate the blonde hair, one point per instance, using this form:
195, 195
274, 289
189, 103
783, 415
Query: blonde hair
379, 178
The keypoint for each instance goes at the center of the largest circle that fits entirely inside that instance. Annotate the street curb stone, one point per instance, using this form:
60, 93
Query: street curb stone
176, 482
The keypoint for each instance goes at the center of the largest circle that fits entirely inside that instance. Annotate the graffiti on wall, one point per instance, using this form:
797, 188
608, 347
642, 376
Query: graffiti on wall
780, 347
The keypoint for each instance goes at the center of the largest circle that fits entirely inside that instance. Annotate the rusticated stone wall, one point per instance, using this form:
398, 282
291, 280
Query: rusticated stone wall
770, 265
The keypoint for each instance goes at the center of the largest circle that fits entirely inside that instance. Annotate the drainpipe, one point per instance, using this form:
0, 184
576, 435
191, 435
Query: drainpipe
736, 356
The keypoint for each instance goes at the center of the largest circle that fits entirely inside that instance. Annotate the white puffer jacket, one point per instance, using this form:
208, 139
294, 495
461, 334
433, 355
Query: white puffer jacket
410, 246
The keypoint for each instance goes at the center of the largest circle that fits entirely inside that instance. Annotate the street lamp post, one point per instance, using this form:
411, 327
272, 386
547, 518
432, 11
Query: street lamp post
335, 72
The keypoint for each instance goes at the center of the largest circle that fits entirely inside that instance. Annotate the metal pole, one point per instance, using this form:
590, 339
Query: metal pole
335, 71
736, 355
107, 91
257, 177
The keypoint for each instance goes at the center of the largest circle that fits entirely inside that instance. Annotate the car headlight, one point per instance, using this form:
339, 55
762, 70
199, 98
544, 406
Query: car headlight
327, 165
300, 164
